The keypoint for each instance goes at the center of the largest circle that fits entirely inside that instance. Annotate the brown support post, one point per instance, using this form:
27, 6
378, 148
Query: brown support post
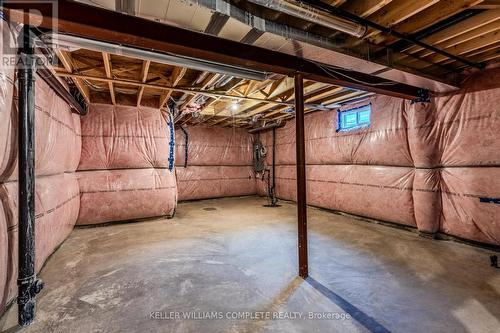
301, 175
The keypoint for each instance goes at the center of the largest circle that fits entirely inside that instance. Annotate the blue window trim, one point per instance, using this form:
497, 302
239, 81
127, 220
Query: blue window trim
340, 114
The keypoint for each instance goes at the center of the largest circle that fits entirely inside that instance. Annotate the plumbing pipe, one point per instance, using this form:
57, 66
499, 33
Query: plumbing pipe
27, 282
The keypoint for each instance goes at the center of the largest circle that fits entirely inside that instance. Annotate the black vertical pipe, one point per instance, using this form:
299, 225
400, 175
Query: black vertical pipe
273, 199
28, 285
301, 175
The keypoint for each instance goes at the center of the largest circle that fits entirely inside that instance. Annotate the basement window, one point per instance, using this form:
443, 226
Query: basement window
352, 119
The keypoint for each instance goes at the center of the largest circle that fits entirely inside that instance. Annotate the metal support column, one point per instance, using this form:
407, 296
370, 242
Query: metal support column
28, 284
274, 201
301, 175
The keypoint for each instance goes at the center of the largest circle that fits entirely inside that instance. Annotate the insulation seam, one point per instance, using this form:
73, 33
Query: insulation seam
441, 167
123, 136
206, 179
49, 211
390, 187
364, 132
48, 114
130, 190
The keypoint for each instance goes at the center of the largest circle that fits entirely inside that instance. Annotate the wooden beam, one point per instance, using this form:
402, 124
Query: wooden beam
335, 2
143, 78
86, 21
341, 97
176, 76
259, 86
463, 27
194, 91
399, 10
230, 89
310, 97
395, 12
475, 44
487, 55
311, 90
460, 39
488, 4
249, 87
109, 74
435, 13
275, 85
66, 60
210, 79
363, 8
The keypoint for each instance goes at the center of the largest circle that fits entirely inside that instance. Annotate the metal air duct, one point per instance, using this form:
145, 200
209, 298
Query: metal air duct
313, 15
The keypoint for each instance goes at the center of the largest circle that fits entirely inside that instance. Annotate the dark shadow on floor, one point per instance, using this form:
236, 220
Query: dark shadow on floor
13, 329
368, 322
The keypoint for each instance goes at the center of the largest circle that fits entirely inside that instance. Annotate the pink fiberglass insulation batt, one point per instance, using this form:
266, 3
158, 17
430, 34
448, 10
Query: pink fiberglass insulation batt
379, 192
433, 165
124, 171
7, 133
219, 163
7, 165
57, 202
202, 182
57, 135
117, 195
214, 146
4, 259
124, 137
57, 153
324, 145
464, 137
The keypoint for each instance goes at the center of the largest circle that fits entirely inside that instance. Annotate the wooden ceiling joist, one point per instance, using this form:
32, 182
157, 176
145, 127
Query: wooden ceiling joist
67, 62
176, 76
395, 12
107, 67
364, 8
143, 78
475, 38
430, 15
475, 44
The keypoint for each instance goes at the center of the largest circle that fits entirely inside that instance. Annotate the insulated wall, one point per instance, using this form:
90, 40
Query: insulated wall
433, 165
218, 163
57, 152
456, 140
126, 169
363, 172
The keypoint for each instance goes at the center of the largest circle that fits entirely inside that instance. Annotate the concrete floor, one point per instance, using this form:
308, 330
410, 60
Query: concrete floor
242, 257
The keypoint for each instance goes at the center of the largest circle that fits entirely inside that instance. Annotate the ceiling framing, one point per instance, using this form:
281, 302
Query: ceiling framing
199, 98
468, 29
472, 35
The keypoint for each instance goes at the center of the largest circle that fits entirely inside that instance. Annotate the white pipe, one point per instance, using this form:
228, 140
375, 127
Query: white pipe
313, 15
71, 43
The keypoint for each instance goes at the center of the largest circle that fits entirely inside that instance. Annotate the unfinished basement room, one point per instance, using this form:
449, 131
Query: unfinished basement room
209, 166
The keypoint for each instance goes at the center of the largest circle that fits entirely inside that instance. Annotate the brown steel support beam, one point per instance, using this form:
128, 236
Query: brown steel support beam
92, 22
301, 175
